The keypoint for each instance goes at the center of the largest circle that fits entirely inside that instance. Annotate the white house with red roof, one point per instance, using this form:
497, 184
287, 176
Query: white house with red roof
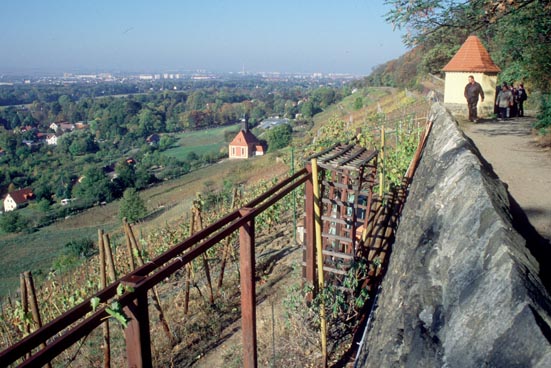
51, 139
472, 58
17, 198
245, 144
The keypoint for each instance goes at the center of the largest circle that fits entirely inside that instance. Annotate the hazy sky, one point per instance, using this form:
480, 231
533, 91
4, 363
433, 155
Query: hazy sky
338, 36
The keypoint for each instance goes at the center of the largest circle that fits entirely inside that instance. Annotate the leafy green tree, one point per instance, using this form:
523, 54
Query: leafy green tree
74, 253
93, 187
126, 173
143, 177
358, 103
324, 96
434, 58
43, 189
12, 222
149, 122
82, 144
44, 205
10, 118
132, 206
173, 124
544, 117
279, 136
307, 109
196, 100
132, 107
257, 113
290, 109
64, 186
8, 142
166, 142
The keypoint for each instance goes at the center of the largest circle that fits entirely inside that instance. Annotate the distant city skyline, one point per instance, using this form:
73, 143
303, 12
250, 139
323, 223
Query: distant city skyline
347, 36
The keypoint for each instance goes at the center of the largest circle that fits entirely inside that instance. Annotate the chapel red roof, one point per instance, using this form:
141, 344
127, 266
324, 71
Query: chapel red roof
244, 138
472, 56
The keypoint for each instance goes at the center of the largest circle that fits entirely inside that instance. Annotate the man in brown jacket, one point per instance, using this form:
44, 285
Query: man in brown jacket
472, 90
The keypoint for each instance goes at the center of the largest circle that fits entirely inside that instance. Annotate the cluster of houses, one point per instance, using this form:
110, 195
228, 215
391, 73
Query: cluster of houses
61, 128
244, 145
51, 139
20, 198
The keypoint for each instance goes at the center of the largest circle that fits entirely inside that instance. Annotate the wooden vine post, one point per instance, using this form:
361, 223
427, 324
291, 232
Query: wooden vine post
103, 283
227, 243
134, 249
129, 244
24, 306
199, 218
196, 225
319, 258
109, 258
29, 284
383, 163
189, 269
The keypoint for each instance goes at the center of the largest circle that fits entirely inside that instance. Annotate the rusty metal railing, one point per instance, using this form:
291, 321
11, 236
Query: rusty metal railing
70, 327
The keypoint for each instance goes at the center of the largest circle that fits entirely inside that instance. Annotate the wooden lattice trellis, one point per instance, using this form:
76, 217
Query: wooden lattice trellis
347, 177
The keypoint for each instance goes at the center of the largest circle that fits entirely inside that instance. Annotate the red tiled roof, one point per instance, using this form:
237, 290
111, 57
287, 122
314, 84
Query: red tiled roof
244, 138
472, 56
22, 195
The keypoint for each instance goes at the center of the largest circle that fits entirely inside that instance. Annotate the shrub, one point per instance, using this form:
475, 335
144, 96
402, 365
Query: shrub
83, 248
543, 124
132, 206
279, 136
12, 222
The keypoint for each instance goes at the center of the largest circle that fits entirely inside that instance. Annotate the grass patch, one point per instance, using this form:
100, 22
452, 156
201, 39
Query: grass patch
182, 152
35, 252
201, 142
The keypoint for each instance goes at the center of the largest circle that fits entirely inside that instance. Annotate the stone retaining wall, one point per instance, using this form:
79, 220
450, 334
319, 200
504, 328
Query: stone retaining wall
462, 288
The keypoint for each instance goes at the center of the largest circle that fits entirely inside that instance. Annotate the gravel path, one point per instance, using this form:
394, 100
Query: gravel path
524, 167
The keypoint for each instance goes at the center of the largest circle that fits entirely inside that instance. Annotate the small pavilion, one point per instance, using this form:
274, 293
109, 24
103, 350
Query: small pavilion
472, 58
245, 144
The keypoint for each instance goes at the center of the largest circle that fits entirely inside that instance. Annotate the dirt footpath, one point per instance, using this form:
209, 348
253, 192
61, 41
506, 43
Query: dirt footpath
523, 166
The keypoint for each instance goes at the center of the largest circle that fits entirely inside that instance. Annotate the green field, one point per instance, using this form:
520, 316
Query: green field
200, 142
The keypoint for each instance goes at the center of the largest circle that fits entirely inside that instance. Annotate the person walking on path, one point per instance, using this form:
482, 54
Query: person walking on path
504, 101
521, 97
472, 91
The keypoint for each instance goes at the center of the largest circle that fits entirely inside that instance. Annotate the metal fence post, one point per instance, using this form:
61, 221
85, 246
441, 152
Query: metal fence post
248, 290
137, 334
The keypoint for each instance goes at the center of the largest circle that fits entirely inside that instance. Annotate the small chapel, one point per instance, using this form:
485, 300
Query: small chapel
245, 144
472, 58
